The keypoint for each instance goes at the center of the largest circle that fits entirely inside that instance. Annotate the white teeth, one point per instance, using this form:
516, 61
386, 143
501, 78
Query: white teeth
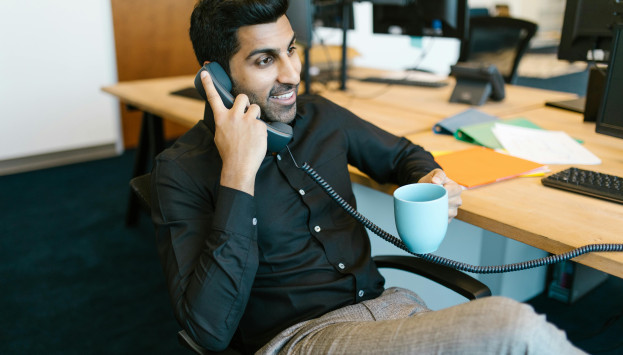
284, 96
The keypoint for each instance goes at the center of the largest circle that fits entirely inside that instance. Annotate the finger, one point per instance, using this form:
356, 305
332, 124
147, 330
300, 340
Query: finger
428, 178
439, 177
214, 99
454, 199
254, 111
241, 103
455, 203
453, 189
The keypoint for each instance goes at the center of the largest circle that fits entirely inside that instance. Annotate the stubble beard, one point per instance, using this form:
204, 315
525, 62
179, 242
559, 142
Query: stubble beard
272, 112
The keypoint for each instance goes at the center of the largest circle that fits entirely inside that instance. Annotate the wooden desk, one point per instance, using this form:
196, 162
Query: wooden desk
549, 219
401, 110
434, 102
153, 96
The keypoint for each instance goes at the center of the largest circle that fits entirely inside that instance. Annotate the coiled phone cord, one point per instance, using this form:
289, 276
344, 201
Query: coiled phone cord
448, 262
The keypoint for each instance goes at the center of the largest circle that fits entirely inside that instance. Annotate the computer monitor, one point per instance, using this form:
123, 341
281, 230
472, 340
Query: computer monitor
587, 29
610, 116
592, 31
304, 15
439, 18
587, 36
300, 14
328, 13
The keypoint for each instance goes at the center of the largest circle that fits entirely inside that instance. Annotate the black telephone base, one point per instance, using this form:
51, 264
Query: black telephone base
471, 91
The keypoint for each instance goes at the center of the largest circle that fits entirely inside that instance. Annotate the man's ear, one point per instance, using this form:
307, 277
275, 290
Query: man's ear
206, 62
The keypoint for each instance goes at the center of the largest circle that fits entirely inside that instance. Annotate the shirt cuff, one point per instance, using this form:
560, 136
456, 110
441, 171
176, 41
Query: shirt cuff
235, 212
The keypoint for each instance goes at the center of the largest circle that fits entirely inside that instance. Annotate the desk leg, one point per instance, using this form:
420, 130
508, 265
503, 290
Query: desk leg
150, 143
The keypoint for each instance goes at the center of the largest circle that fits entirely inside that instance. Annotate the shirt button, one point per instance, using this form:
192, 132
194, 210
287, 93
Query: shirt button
302, 192
317, 228
341, 266
278, 157
254, 221
360, 293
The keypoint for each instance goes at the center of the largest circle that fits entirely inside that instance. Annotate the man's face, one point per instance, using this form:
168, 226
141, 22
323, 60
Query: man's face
267, 69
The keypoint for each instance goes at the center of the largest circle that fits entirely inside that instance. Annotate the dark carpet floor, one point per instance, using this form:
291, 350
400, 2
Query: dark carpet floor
74, 279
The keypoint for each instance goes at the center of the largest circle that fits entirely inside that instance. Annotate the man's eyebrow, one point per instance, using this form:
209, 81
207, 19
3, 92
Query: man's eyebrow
272, 51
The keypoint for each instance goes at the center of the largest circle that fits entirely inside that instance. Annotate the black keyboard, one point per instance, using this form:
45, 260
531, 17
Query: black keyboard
406, 82
587, 182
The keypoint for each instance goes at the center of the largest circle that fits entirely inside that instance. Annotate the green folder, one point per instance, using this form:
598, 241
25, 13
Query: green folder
481, 133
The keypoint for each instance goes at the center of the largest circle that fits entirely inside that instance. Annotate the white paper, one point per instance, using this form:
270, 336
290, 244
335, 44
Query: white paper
542, 146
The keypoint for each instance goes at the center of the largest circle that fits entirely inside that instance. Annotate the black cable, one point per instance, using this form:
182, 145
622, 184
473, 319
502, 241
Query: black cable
448, 262
423, 55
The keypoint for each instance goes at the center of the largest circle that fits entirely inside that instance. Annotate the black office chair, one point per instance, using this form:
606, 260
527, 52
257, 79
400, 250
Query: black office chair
501, 41
455, 280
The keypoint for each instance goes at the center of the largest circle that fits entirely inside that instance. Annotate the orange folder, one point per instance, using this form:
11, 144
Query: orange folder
480, 166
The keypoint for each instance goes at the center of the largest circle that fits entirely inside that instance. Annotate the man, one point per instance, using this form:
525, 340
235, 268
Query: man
257, 256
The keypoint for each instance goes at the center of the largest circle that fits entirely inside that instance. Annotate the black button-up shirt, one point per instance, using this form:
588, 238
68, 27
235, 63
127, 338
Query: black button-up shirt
248, 267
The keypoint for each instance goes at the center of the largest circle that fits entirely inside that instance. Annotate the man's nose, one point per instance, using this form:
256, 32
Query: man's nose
290, 71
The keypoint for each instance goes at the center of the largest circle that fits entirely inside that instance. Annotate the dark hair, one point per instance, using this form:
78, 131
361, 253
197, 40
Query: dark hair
214, 25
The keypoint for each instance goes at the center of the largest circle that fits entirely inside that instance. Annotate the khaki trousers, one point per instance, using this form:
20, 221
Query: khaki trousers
398, 322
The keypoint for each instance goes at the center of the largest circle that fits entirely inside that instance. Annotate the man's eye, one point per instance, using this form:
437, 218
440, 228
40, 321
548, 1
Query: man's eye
265, 61
291, 50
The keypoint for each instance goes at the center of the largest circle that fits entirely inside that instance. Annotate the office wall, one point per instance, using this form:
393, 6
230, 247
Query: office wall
55, 56
151, 41
518, 8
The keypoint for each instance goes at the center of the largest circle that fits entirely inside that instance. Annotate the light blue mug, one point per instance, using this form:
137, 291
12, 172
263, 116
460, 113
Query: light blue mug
421, 212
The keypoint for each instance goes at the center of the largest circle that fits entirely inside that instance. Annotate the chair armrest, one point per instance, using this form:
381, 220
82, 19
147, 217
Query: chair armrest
455, 280
141, 187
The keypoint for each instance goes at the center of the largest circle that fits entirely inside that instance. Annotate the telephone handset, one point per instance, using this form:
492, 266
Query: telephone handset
279, 133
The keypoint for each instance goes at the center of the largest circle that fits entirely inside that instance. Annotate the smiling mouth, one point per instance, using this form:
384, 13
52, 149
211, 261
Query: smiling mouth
284, 96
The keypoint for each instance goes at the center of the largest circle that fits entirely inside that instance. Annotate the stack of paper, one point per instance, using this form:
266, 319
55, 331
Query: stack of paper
545, 147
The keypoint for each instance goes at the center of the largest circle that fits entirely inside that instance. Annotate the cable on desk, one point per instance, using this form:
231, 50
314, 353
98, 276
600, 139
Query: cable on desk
448, 262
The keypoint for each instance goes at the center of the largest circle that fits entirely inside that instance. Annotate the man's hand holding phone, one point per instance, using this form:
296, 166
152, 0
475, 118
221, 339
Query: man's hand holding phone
240, 138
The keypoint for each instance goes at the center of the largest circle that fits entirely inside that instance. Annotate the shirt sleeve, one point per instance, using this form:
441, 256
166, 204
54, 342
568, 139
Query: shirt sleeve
207, 241
383, 156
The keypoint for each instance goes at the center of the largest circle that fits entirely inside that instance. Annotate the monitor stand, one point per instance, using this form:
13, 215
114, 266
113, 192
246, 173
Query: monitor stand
345, 24
575, 105
588, 105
